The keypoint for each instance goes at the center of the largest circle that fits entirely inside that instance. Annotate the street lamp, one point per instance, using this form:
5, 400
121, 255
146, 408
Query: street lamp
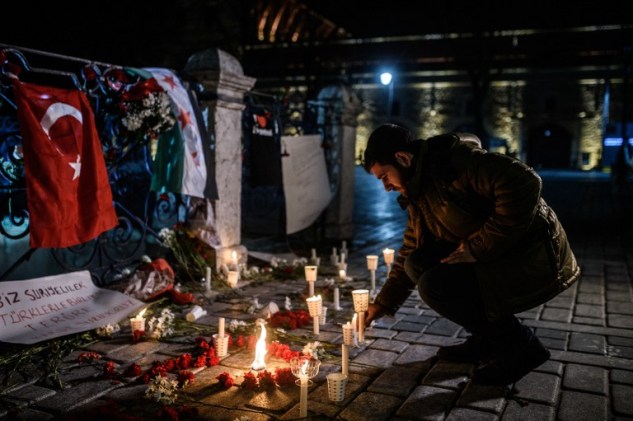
386, 78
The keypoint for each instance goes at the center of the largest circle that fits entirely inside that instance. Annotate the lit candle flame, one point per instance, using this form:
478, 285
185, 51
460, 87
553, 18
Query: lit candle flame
260, 350
140, 315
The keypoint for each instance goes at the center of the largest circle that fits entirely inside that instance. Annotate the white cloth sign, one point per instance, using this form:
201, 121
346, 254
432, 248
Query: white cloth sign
39, 309
306, 184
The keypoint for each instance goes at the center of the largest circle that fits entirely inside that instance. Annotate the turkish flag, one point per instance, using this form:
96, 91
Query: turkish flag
67, 188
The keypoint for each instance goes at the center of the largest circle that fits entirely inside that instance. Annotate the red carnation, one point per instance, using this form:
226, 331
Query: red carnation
284, 377
226, 381
88, 356
133, 370
250, 381
185, 377
266, 379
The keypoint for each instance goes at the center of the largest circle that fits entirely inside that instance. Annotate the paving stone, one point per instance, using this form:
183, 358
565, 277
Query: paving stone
371, 406
595, 299
406, 311
590, 288
622, 399
136, 351
592, 359
578, 406
620, 307
618, 286
621, 376
550, 343
619, 320
419, 319
589, 310
443, 327
74, 375
583, 342
397, 381
376, 358
620, 351
528, 411
551, 333
386, 345
617, 340
19, 376
556, 314
417, 356
538, 387
622, 296
409, 327
108, 346
560, 301
485, 398
551, 367
531, 314
71, 398
31, 414
586, 378
438, 341
378, 333
274, 400
28, 394
448, 375
427, 403
465, 414
408, 336
589, 321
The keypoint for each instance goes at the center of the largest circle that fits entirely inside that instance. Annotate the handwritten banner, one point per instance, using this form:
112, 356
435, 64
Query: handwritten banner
306, 184
44, 308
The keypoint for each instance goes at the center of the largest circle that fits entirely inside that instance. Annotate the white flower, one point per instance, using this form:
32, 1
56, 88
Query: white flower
162, 389
108, 330
288, 304
161, 326
234, 325
152, 113
314, 349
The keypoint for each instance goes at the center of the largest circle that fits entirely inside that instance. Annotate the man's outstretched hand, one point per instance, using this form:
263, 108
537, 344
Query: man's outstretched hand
374, 311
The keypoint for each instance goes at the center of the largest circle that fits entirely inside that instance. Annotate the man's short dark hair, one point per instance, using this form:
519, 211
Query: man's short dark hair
383, 144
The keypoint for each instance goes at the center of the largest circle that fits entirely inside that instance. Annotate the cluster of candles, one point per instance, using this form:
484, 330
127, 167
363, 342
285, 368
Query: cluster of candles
232, 271
303, 368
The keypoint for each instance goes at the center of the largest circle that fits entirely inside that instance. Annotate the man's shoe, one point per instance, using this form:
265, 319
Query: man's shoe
474, 350
510, 367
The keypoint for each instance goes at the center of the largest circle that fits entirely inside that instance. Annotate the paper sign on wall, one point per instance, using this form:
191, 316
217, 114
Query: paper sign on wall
44, 308
306, 185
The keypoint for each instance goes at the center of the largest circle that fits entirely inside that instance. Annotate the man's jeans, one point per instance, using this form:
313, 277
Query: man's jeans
452, 290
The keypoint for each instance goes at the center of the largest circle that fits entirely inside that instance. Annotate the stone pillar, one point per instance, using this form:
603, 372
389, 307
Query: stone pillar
338, 114
222, 103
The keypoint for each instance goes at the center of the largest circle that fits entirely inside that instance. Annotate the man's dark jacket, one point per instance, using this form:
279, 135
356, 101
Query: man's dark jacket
459, 192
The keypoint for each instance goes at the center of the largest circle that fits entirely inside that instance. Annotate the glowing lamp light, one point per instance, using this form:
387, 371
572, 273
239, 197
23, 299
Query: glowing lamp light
260, 350
386, 78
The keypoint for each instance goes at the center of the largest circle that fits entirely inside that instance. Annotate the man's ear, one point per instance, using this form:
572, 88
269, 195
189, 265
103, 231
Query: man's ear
404, 158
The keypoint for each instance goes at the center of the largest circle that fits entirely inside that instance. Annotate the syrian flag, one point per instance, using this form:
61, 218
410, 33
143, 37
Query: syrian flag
180, 165
67, 187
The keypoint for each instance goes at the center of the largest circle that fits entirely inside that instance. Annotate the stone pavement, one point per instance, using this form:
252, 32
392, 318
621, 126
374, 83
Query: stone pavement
393, 375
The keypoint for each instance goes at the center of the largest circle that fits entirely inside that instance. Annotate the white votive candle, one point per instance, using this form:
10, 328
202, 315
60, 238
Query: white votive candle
221, 327
207, 279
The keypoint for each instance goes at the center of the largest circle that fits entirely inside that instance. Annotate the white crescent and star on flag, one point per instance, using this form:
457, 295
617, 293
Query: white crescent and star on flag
53, 113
